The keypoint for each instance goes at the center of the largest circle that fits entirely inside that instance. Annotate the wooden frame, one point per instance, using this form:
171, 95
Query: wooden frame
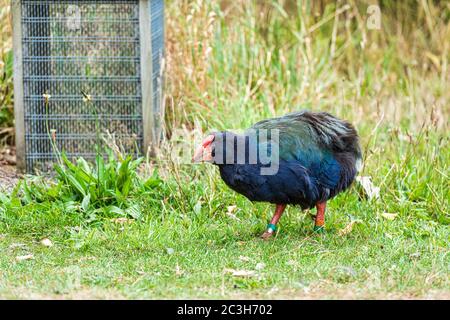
150, 133
18, 84
146, 77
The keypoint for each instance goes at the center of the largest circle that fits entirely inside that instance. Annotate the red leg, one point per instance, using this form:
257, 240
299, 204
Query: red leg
272, 225
320, 217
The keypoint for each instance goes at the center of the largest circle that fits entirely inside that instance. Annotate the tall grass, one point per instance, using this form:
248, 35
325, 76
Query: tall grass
6, 85
261, 58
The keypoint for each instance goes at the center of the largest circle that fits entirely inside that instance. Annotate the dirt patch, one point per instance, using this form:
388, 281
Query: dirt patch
8, 177
321, 290
76, 294
8, 156
8, 174
344, 292
333, 293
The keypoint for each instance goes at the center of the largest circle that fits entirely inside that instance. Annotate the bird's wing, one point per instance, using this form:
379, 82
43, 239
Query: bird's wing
300, 142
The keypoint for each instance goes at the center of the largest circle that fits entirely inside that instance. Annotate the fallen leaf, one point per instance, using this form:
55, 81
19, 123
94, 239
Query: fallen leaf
389, 216
260, 266
232, 216
46, 242
348, 228
371, 191
303, 286
415, 255
292, 263
245, 259
178, 270
241, 273
87, 259
17, 245
198, 207
230, 213
23, 258
273, 290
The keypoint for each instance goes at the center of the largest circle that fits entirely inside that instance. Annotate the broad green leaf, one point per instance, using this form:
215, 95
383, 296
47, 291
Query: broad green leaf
134, 211
77, 184
126, 187
27, 193
134, 164
67, 162
85, 203
198, 207
152, 183
70, 206
100, 170
116, 210
84, 165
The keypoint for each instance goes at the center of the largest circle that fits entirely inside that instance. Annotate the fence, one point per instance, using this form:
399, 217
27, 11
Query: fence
111, 50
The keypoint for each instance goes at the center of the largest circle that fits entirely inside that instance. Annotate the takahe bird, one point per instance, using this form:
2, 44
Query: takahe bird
308, 159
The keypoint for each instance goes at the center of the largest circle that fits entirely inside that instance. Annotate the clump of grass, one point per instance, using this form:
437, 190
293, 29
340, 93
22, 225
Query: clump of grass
105, 188
266, 58
110, 188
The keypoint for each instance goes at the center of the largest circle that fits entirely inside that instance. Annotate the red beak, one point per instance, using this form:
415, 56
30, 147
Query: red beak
203, 152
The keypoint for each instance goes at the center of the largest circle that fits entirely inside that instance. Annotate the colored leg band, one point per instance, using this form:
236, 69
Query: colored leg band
272, 227
319, 229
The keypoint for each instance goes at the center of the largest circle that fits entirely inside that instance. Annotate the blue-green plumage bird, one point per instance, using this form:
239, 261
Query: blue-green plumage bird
308, 158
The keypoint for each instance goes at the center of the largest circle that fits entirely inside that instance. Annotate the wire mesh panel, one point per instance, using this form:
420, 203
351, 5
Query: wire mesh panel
70, 47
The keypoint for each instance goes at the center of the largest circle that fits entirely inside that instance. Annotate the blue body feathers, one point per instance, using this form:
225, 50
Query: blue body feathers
318, 158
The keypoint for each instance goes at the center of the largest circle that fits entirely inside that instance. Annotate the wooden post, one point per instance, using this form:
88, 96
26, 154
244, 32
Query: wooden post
146, 76
18, 85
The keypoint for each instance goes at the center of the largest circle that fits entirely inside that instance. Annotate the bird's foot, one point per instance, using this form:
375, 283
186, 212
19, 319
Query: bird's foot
267, 235
269, 232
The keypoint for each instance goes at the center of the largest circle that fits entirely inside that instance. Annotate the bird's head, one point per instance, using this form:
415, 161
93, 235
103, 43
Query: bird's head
215, 149
204, 152
221, 148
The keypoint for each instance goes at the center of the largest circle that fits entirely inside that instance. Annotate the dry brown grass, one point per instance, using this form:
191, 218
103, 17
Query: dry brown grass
5, 28
6, 86
260, 58
256, 59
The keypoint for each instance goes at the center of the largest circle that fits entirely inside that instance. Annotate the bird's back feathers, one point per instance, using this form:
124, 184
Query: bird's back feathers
318, 157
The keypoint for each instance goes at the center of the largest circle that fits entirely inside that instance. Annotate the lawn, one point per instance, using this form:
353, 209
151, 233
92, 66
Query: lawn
177, 231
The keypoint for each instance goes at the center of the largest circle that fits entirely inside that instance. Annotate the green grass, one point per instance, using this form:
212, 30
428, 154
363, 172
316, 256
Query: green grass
230, 64
379, 258
185, 242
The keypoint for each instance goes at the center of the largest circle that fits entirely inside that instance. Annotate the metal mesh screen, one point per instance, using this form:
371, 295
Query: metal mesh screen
91, 46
